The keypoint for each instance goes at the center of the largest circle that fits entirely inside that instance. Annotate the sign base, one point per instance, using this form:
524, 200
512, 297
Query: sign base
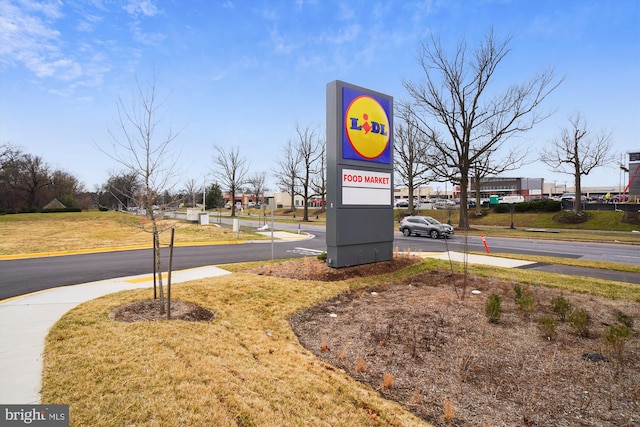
347, 256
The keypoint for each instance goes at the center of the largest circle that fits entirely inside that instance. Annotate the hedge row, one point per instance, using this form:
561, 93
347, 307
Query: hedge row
537, 206
13, 211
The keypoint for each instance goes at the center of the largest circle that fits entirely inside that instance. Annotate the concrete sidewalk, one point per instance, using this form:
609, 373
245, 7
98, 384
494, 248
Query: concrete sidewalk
25, 321
475, 259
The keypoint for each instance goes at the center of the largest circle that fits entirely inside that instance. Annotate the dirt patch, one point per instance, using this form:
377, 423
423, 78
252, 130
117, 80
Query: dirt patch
417, 343
572, 217
149, 310
308, 268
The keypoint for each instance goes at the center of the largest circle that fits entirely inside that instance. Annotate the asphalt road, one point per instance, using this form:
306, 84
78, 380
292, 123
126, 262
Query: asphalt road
18, 277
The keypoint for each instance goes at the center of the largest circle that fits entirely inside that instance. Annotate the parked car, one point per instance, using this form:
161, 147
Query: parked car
445, 204
425, 226
404, 203
571, 197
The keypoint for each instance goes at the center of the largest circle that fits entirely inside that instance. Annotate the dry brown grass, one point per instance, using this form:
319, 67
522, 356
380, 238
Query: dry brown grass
228, 372
449, 413
388, 380
61, 232
361, 365
323, 346
248, 368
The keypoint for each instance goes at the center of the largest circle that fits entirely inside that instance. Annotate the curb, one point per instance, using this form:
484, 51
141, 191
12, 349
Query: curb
278, 235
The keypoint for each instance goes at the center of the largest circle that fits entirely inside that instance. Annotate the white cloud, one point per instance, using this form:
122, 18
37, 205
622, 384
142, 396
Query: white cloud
87, 23
144, 7
50, 9
279, 43
301, 3
31, 39
343, 35
147, 38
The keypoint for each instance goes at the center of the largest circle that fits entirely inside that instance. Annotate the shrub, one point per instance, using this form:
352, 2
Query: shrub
561, 306
615, 337
631, 217
322, 256
493, 308
474, 214
579, 319
524, 299
537, 206
624, 319
547, 326
501, 208
60, 210
571, 217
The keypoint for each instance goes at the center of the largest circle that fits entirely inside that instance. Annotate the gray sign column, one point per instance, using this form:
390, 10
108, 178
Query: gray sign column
359, 175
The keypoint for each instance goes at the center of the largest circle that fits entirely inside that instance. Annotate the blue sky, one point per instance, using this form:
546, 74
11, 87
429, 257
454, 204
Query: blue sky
244, 72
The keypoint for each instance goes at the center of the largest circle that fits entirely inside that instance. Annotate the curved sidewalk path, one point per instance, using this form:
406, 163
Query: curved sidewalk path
25, 322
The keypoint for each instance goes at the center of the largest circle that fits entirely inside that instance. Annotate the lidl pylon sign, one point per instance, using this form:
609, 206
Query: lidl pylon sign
359, 175
366, 127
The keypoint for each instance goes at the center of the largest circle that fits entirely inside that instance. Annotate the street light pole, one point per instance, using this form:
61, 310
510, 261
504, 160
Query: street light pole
511, 209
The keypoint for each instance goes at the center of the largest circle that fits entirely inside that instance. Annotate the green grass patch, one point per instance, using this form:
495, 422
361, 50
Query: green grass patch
627, 268
598, 220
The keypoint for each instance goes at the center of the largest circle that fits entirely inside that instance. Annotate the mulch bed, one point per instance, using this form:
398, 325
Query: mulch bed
417, 342
149, 310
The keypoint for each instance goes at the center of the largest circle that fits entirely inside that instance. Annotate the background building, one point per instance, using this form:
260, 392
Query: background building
529, 188
633, 170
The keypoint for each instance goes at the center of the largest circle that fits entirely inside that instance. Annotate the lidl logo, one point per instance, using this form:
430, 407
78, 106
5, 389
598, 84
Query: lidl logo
367, 129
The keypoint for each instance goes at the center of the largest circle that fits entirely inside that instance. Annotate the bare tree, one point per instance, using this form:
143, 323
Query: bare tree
8, 155
64, 187
27, 177
577, 151
319, 176
309, 151
256, 181
136, 145
120, 190
412, 152
461, 117
7, 152
287, 172
232, 172
28, 181
191, 188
